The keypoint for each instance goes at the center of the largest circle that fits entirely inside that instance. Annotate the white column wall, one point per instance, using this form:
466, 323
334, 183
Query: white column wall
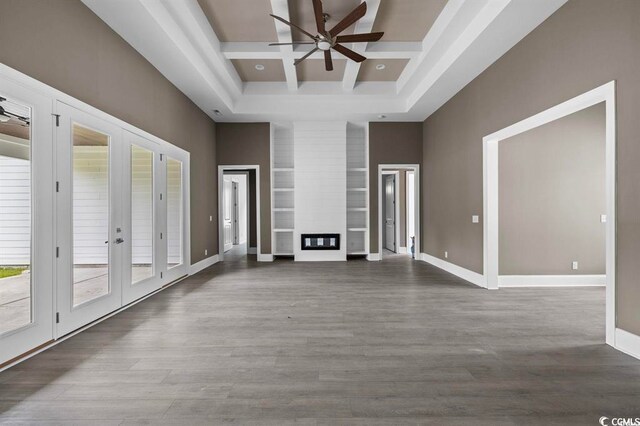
320, 185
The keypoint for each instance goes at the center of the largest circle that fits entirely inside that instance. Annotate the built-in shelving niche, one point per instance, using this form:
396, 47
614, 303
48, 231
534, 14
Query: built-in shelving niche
357, 189
283, 185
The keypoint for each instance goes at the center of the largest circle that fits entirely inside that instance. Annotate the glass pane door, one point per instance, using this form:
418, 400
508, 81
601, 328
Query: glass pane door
90, 215
26, 235
141, 200
16, 292
89, 208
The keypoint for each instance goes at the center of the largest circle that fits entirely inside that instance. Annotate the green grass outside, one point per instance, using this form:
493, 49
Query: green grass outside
9, 271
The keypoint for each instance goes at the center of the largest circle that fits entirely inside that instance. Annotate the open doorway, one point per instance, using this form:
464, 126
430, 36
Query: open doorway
560, 234
239, 207
398, 201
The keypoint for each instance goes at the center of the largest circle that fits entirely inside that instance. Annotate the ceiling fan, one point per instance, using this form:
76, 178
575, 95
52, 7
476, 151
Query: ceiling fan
331, 39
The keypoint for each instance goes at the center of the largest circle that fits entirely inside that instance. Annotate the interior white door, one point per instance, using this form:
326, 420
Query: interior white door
390, 213
236, 213
90, 233
228, 213
26, 203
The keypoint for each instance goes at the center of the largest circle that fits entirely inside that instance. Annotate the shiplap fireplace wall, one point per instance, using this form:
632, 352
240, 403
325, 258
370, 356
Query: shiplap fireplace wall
320, 186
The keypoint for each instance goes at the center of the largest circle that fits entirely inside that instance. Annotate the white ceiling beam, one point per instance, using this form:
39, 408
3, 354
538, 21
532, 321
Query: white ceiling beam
281, 8
364, 25
262, 50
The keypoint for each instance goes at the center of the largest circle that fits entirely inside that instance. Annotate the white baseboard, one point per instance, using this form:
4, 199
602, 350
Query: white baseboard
373, 257
402, 250
265, 258
252, 250
465, 274
203, 264
552, 280
628, 343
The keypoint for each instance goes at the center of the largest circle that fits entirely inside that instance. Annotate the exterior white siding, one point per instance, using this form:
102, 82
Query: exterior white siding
15, 211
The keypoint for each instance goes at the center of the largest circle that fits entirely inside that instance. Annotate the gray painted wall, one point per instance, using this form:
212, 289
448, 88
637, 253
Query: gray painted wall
65, 45
585, 44
552, 194
389, 143
250, 144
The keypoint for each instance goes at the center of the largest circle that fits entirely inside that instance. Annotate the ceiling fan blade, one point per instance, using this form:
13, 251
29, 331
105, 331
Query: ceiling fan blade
293, 26
349, 20
349, 53
357, 38
318, 12
305, 56
328, 62
293, 43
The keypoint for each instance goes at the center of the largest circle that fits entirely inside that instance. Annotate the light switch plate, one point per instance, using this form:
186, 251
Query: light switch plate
574, 265
475, 219
603, 218
446, 254
210, 218
205, 251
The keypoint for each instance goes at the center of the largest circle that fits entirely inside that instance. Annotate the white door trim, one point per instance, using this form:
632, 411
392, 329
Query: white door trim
396, 207
221, 170
604, 93
416, 170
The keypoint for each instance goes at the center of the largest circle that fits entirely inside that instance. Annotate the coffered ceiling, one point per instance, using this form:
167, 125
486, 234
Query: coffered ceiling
217, 53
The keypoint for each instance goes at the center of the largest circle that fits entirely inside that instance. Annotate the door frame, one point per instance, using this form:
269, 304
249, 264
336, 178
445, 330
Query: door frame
221, 172
396, 213
605, 93
407, 194
416, 170
247, 202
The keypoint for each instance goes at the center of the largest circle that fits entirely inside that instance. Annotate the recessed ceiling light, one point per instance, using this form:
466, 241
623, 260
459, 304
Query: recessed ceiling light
217, 112
382, 116
380, 67
260, 67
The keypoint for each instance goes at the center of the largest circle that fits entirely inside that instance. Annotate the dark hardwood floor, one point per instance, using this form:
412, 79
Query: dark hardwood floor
392, 342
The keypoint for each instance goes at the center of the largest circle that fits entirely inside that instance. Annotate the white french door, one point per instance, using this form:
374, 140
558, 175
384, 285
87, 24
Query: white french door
93, 216
143, 205
90, 222
26, 223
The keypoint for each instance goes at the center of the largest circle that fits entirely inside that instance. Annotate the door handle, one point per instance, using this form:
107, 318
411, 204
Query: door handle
119, 241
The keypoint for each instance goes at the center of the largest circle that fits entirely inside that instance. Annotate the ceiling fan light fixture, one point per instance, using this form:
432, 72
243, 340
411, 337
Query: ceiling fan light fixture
324, 45
380, 67
3, 118
259, 67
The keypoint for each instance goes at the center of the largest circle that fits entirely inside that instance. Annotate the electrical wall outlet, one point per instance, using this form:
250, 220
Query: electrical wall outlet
475, 219
446, 254
603, 218
574, 265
